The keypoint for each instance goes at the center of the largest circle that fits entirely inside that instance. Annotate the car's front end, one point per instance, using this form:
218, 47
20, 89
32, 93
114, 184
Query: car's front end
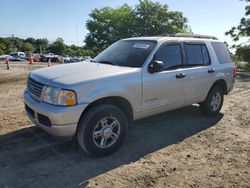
56, 97
53, 109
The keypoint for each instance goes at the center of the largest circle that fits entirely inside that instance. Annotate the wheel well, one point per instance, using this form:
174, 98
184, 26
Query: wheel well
221, 83
119, 102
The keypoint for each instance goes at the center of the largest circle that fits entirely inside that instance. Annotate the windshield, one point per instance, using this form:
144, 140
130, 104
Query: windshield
127, 53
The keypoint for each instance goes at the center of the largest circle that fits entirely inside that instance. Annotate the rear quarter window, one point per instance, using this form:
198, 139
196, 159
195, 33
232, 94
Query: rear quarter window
222, 52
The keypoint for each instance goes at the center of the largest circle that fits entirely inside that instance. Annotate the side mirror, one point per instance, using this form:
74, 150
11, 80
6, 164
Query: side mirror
156, 66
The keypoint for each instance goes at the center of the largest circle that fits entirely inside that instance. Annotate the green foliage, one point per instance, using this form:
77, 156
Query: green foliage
1, 51
156, 19
107, 25
31, 45
41, 45
243, 65
243, 52
242, 57
242, 30
58, 47
78, 51
30, 40
5, 46
27, 48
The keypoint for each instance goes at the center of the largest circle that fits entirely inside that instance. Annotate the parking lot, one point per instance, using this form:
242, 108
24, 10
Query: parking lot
181, 148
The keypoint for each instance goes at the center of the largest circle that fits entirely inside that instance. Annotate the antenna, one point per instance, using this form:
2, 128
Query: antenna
77, 36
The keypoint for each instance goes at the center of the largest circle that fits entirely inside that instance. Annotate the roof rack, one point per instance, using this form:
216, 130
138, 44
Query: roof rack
194, 36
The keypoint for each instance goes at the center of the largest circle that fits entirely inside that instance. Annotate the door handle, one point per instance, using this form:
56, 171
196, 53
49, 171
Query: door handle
211, 70
180, 75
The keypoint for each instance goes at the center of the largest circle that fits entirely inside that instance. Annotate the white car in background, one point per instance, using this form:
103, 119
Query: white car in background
18, 56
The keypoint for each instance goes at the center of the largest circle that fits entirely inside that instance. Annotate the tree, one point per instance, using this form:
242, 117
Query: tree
27, 48
107, 25
242, 30
41, 45
58, 47
31, 41
156, 19
5, 46
1, 51
78, 51
18, 44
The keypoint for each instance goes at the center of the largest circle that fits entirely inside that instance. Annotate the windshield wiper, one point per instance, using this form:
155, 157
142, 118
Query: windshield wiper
108, 62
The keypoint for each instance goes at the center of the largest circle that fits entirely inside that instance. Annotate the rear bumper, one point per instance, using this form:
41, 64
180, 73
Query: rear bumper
56, 120
231, 87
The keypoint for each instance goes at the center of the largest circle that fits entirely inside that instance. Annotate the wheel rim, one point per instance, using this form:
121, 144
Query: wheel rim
106, 132
216, 101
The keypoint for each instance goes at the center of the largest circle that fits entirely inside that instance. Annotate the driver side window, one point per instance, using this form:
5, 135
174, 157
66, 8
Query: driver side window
170, 55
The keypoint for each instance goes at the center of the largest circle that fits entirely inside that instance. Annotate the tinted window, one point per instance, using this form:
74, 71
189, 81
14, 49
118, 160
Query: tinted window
194, 54
129, 53
197, 54
221, 52
170, 55
206, 58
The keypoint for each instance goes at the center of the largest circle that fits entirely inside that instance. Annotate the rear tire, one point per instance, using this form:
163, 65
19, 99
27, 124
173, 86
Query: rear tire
213, 103
102, 130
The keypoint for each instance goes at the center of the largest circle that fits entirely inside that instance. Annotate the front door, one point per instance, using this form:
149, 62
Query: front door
165, 90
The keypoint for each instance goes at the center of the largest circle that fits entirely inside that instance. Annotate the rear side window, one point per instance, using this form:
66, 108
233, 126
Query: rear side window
221, 52
170, 55
197, 55
206, 58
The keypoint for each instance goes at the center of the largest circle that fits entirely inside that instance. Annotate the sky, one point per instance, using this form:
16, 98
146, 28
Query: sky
67, 18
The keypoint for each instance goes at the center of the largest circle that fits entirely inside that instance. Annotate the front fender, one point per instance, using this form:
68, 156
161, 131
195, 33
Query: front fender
129, 89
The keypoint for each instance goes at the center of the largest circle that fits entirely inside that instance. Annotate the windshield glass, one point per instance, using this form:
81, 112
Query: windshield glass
127, 53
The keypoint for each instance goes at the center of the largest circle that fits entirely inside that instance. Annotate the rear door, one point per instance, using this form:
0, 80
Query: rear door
199, 71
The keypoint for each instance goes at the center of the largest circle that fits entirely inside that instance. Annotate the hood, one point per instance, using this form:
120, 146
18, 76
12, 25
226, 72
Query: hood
74, 73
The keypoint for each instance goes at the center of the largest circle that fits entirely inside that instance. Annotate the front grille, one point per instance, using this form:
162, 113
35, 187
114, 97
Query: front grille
35, 88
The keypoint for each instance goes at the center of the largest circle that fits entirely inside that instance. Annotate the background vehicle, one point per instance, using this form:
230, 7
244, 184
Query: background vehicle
36, 57
51, 56
69, 59
18, 56
3, 57
86, 58
132, 79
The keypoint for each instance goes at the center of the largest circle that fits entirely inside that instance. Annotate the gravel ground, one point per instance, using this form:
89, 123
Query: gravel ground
174, 149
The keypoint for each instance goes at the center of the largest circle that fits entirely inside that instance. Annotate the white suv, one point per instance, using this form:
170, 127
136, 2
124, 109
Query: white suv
132, 79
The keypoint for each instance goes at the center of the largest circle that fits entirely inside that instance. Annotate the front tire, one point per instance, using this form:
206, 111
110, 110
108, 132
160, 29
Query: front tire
213, 103
102, 130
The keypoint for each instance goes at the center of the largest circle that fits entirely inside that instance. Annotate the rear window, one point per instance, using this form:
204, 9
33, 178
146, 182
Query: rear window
197, 54
221, 52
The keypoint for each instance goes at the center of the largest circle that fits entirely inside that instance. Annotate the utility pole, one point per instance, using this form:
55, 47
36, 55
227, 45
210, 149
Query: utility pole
12, 45
77, 36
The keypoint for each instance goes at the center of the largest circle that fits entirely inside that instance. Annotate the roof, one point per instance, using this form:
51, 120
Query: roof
186, 37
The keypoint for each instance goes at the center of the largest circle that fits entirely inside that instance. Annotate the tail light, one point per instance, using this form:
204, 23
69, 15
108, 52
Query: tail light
235, 71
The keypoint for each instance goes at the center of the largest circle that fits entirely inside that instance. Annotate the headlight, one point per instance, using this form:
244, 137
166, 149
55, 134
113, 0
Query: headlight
56, 96
67, 98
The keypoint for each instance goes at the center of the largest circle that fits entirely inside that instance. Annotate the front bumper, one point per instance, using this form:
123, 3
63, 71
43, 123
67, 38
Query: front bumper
56, 120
